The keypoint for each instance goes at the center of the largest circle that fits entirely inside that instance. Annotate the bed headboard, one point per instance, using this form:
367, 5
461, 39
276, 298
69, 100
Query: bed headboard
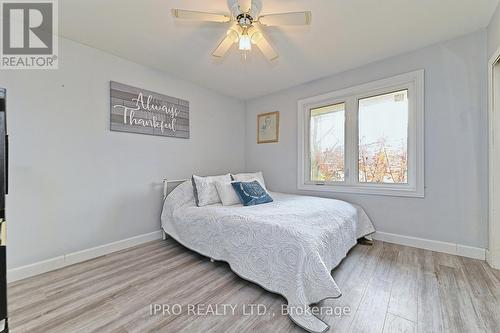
170, 185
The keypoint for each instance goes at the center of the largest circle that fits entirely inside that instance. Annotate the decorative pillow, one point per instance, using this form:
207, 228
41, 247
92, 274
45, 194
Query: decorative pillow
248, 177
204, 189
251, 193
227, 194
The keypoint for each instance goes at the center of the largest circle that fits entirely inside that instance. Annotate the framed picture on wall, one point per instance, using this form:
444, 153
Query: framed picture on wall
268, 127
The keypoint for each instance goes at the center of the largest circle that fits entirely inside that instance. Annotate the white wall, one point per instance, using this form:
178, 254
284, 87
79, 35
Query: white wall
74, 184
455, 205
494, 33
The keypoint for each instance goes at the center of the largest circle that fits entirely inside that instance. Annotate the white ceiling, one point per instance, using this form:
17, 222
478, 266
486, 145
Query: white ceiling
344, 34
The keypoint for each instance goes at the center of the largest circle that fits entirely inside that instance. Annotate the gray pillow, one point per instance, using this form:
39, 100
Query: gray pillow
248, 177
204, 190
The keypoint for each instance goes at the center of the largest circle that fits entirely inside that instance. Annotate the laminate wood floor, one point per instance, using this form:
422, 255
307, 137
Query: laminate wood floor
386, 287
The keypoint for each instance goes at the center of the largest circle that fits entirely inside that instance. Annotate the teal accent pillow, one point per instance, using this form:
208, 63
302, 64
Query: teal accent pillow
251, 193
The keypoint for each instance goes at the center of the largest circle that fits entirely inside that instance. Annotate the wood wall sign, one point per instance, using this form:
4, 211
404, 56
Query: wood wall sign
142, 111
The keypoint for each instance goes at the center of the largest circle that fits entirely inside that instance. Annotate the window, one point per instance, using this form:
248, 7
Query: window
327, 143
383, 138
366, 139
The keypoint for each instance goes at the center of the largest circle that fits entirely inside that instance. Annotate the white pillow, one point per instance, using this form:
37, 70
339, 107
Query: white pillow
227, 194
248, 177
204, 189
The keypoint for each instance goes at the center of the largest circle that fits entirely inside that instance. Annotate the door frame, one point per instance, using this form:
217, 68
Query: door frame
493, 252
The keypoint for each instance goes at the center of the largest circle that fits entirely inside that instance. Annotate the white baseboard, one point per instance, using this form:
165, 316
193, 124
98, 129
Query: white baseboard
51, 264
433, 245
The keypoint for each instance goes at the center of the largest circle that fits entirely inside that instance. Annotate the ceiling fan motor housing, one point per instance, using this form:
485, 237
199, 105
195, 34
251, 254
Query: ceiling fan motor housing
244, 20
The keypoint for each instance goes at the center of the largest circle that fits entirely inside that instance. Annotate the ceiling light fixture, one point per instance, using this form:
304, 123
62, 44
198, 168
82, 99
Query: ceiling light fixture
245, 43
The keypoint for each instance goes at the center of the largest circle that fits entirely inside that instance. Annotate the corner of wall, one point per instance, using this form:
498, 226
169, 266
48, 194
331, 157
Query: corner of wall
493, 32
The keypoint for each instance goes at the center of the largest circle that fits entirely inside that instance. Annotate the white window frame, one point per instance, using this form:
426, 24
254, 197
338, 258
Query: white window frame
414, 83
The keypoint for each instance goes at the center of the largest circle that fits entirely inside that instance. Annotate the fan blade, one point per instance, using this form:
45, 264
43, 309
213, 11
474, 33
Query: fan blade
234, 7
298, 18
262, 43
251, 7
256, 7
267, 49
200, 16
245, 5
226, 43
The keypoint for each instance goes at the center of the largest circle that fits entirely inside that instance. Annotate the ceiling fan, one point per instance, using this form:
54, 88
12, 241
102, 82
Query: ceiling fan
247, 25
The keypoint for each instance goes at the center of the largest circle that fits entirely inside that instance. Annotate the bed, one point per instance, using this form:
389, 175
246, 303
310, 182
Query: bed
288, 247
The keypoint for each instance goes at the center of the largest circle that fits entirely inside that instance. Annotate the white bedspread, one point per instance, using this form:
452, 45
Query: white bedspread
288, 247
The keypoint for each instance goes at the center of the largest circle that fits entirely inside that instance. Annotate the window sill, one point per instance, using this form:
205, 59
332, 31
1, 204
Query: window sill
395, 191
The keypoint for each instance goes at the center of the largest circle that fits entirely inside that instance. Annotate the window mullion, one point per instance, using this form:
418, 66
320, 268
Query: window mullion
351, 147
